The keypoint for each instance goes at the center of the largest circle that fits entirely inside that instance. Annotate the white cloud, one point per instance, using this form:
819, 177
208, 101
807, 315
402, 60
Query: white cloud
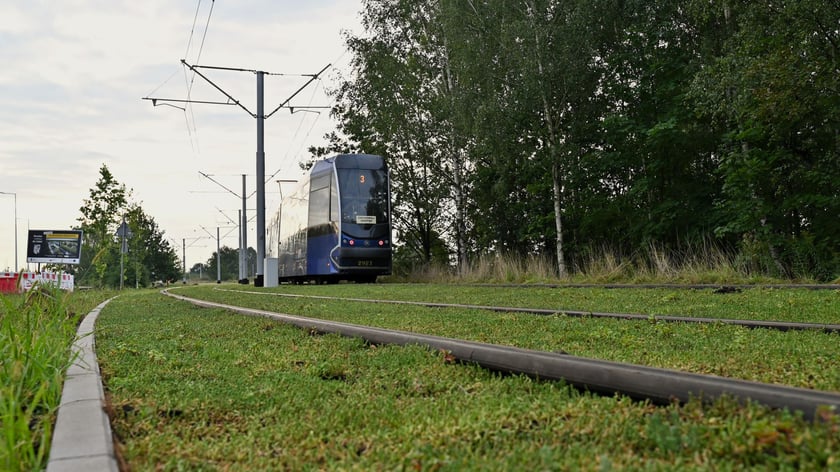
74, 73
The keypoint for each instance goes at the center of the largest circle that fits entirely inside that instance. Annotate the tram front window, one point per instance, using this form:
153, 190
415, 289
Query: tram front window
364, 196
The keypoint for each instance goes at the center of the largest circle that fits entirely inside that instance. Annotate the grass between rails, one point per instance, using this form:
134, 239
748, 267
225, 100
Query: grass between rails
808, 359
36, 331
203, 389
795, 305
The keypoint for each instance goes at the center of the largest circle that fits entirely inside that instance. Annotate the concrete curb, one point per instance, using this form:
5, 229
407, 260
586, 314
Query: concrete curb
82, 438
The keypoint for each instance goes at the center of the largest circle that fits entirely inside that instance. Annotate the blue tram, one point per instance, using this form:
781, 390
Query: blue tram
336, 225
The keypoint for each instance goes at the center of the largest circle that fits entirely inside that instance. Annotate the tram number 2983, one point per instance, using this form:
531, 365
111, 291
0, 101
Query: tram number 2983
364, 263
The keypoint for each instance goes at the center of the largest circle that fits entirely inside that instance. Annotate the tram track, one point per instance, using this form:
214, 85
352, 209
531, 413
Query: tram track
660, 386
720, 287
775, 325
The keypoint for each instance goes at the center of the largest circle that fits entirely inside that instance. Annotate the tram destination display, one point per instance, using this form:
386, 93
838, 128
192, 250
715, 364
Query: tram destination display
54, 246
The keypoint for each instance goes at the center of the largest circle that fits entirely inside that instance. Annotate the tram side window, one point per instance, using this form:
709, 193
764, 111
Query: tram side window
319, 200
333, 201
319, 206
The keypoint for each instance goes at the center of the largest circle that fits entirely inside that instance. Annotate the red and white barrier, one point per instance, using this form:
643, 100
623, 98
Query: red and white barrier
8, 282
11, 282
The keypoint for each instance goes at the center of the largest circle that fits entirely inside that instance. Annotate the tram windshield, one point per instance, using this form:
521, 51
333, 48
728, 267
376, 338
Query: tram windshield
364, 196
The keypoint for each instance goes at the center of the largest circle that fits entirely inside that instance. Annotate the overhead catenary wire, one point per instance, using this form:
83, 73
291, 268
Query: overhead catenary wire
192, 131
298, 151
291, 147
162, 84
187, 116
220, 184
334, 66
190, 81
183, 109
192, 30
206, 28
260, 116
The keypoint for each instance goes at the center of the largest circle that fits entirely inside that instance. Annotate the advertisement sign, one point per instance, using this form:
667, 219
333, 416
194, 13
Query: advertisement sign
54, 246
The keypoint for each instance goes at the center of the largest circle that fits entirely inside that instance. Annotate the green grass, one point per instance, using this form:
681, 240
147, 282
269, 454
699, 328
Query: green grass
796, 305
36, 331
203, 389
804, 359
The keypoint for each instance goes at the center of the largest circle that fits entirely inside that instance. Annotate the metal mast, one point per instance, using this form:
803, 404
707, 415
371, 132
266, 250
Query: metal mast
258, 278
261, 117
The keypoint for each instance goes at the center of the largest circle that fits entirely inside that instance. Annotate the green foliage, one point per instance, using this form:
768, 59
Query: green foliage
102, 209
774, 88
409, 259
101, 214
624, 123
230, 263
150, 256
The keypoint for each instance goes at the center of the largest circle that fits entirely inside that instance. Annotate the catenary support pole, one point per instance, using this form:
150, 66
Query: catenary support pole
184, 257
243, 235
258, 278
260, 117
121, 233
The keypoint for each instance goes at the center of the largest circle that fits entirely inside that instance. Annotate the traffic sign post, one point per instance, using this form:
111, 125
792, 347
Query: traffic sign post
124, 233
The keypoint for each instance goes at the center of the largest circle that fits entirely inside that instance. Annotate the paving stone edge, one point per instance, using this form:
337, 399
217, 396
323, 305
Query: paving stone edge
82, 439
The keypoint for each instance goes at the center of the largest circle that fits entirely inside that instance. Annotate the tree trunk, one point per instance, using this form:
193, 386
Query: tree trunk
460, 217
457, 168
552, 143
458, 195
558, 219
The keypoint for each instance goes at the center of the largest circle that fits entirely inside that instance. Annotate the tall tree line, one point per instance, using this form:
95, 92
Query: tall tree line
560, 126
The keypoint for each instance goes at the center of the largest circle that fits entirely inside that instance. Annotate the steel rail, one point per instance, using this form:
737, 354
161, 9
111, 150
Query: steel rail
660, 386
723, 287
777, 325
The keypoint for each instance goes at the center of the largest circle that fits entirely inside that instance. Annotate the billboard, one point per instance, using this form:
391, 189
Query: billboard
54, 246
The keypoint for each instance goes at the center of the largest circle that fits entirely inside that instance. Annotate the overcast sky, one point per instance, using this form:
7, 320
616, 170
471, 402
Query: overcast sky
72, 77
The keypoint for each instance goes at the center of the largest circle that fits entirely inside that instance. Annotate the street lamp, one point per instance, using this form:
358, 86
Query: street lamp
16, 231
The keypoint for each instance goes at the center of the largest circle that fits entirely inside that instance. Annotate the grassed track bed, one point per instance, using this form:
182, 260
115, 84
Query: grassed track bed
767, 324
794, 305
800, 359
204, 389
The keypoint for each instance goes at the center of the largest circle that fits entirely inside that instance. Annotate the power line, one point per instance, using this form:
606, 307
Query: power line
192, 30
284, 160
162, 83
190, 81
206, 27
203, 38
219, 184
